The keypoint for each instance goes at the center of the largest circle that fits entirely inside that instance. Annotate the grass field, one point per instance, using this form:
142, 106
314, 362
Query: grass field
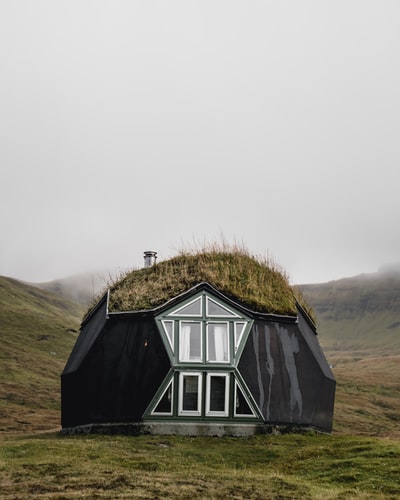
290, 466
367, 394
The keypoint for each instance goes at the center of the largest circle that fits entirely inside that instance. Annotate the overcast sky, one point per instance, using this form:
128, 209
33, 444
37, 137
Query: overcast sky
134, 125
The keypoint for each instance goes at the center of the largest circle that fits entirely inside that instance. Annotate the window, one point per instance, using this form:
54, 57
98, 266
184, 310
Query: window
216, 309
169, 330
218, 342
164, 405
242, 405
190, 341
193, 308
239, 329
203, 330
217, 394
189, 393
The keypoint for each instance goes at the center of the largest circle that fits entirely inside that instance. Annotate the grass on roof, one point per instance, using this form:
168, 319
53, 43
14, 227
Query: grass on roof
256, 282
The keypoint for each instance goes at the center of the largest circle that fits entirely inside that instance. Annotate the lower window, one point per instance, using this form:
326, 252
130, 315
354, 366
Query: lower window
190, 393
203, 394
217, 394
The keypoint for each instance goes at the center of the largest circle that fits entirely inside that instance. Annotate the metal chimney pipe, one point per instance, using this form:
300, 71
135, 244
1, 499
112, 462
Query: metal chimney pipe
150, 258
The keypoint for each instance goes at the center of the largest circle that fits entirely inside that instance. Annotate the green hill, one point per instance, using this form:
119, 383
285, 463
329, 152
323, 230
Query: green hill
358, 322
37, 330
358, 314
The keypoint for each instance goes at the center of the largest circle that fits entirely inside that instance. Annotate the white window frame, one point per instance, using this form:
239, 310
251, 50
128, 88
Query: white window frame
226, 323
213, 413
181, 411
181, 357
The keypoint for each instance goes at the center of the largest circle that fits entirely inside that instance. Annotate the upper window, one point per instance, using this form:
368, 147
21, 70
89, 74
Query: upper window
190, 341
193, 308
216, 309
217, 342
204, 330
169, 330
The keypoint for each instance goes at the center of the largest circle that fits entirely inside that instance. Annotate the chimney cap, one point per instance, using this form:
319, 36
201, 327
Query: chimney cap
150, 257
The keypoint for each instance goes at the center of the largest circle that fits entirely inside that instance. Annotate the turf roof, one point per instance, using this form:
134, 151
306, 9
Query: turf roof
254, 282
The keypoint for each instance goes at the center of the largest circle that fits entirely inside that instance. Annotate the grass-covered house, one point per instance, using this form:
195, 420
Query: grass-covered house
214, 342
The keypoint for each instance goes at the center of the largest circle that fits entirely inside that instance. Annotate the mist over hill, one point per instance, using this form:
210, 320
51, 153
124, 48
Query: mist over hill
360, 312
80, 288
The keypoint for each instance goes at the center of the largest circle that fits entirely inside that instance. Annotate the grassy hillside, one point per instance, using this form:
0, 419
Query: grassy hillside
38, 330
359, 314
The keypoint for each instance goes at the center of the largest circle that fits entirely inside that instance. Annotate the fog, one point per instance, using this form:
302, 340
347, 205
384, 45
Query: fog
166, 125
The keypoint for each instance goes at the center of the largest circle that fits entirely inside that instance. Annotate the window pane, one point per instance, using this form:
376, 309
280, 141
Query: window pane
217, 393
239, 329
191, 309
190, 393
242, 406
165, 403
215, 309
169, 330
217, 342
190, 341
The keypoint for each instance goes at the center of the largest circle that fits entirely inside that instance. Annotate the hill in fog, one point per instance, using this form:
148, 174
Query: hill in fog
358, 313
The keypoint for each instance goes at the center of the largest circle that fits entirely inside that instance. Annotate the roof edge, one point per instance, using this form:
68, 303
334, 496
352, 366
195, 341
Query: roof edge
98, 304
307, 317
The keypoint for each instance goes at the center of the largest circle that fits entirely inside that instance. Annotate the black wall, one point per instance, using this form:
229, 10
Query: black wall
119, 375
287, 376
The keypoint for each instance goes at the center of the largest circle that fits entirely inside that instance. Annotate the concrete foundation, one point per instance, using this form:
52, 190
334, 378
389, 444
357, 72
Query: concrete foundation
188, 429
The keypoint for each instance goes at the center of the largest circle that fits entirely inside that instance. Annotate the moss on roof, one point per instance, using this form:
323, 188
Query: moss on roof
254, 282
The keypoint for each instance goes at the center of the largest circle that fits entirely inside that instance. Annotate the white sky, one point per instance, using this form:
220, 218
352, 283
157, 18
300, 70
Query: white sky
134, 125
